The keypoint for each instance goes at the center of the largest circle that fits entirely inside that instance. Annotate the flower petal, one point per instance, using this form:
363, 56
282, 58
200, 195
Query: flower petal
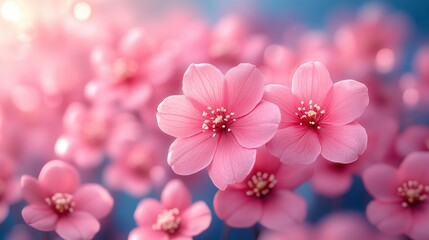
282, 209
147, 212
285, 100
236, 208
257, 127
419, 229
176, 195
40, 217
415, 167
413, 139
177, 117
231, 162
205, 84
189, 155
343, 144
77, 226
4, 211
58, 176
31, 190
296, 144
93, 199
349, 100
147, 233
195, 219
245, 88
390, 218
378, 185
291, 176
331, 183
312, 81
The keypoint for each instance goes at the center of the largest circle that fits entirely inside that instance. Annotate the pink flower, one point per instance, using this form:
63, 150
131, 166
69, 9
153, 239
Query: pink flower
218, 122
265, 196
9, 186
400, 205
318, 117
414, 138
172, 218
58, 202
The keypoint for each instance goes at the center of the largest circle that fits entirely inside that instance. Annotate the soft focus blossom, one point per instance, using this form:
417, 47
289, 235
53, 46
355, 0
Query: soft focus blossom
414, 138
9, 186
265, 196
175, 217
318, 117
400, 205
57, 202
219, 122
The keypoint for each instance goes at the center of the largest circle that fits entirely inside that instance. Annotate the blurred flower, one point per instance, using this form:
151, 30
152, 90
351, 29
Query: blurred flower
400, 205
58, 203
9, 186
218, 122
318, 117
265, 196
412, 139
175, 217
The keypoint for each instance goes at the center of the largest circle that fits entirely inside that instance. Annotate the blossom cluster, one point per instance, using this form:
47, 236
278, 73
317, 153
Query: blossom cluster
173, 127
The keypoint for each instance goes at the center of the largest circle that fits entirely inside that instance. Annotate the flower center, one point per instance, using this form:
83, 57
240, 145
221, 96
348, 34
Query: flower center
61, 202
413, 193
310, 115
124, 70
260, 184
168, 221
218, 120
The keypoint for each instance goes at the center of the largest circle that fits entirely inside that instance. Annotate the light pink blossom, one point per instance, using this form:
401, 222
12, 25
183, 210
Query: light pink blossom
57, 202
218, 122
265, 196
400, 205
414, 138
318, 117
175, 217
9, 186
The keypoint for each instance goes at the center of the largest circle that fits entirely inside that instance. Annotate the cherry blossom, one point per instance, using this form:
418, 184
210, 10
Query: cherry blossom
57, 202
9, 185
219, 122
318, 117
175, 217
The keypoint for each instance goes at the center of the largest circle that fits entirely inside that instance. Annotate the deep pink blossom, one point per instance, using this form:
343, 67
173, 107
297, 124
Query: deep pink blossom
57, 202
9, 186
265, 196
218, 122
400, 205
318, 117
175, 217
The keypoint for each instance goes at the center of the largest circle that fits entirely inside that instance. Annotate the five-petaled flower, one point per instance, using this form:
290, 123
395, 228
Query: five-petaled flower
318, 117
218, 122
58, 203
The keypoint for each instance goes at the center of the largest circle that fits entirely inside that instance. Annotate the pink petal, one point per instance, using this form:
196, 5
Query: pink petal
419, 229
4, 211
93, 199
136, 97
312, 81
58, 176
282, 209
205, 84
265, 161
31, 190
291, 176
415, 167
88, 156
390, 218
349, 100
343, 144
40, 217
147, 212
180, 238
189, 155
245, 88
413, 139
77, 226
378, 185
178, 117
284, 99
330, 183
297, 144
236, 208
258, 127
146, 233
231, 163
195, 219
176, 195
